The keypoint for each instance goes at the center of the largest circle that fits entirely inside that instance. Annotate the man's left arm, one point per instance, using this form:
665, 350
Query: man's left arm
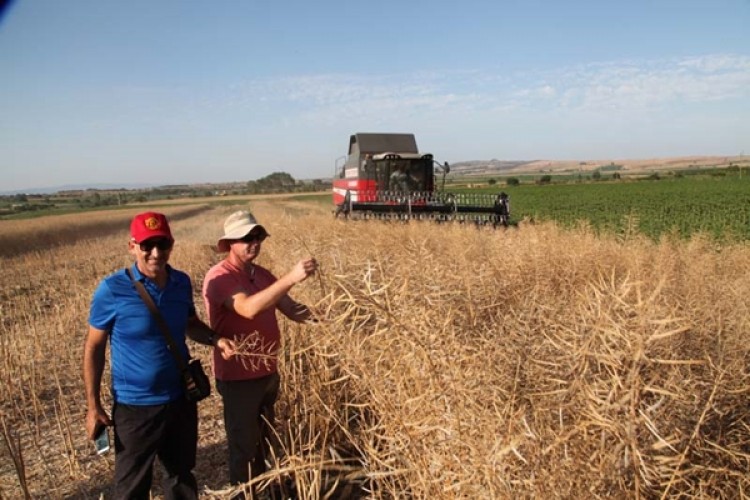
200, 332
294, 310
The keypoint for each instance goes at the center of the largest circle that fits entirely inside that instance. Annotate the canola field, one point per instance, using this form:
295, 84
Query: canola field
450, 361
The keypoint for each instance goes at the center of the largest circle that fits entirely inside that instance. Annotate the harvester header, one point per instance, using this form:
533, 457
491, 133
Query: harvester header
385, 176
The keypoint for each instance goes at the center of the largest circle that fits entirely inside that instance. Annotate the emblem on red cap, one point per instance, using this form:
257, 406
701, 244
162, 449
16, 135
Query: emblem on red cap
152, 223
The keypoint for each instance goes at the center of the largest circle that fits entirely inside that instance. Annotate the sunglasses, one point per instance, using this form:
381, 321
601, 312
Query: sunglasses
163, 244
252, 238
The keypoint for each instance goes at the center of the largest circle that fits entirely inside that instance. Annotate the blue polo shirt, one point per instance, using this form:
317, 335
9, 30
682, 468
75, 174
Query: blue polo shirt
144, 372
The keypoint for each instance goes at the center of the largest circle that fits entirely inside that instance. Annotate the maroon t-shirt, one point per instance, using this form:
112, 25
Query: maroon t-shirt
257, 338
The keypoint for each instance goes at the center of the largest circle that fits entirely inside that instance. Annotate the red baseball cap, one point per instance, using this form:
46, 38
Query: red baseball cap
150, 225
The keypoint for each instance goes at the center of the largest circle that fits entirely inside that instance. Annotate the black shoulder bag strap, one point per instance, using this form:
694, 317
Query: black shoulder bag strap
164, 328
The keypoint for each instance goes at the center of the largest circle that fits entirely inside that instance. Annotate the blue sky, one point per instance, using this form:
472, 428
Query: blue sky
168, 91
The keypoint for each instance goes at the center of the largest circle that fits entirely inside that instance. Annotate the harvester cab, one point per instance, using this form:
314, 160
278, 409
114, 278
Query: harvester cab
385, 176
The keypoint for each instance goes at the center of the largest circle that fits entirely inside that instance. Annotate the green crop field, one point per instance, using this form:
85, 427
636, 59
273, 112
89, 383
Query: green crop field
719, 206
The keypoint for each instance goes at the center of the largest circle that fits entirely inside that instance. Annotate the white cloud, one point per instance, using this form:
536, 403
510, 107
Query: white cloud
650, 84
716, 63
621, 85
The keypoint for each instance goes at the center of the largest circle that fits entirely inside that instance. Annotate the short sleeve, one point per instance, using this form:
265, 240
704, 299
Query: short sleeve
102, 312
221, 287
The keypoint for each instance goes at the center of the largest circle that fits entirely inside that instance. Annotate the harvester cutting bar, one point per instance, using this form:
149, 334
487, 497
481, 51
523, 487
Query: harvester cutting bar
429, 205
478, 219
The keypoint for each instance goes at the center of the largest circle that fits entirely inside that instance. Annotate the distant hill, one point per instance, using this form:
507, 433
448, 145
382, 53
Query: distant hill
76, 187
483, 167
518, 167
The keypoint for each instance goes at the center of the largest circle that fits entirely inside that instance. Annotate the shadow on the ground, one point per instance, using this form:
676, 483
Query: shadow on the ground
211, 472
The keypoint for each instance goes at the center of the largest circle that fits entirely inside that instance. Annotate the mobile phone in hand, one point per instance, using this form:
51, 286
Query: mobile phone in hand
101, 441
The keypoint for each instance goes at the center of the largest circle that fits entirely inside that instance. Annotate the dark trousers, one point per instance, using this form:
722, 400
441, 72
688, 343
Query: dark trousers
142, 433
246, 404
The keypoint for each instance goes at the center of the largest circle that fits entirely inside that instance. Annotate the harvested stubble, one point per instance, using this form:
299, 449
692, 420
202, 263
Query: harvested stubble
449, 362
18, 236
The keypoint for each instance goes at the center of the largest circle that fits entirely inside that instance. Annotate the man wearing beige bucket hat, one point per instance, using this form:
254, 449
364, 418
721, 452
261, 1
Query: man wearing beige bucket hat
241, 300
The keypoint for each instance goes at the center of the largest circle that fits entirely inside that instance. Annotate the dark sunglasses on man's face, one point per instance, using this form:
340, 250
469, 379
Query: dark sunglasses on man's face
253, 237
163, 244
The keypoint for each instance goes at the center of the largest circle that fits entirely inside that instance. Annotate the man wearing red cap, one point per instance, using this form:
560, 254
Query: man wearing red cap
241, 300
151, 415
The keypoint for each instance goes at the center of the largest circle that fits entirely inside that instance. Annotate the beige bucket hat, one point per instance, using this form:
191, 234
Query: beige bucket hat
237, 226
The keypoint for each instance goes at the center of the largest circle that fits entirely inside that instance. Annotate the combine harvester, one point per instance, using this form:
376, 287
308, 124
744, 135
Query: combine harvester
384, 176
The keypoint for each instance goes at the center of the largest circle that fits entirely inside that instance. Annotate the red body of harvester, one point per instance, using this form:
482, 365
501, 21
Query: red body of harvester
385, 176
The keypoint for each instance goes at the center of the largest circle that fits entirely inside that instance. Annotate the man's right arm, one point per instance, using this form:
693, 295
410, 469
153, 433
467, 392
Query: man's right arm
93, 367
250, 304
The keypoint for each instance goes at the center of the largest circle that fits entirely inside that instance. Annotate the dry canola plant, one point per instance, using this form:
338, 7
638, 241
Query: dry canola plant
449, 362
